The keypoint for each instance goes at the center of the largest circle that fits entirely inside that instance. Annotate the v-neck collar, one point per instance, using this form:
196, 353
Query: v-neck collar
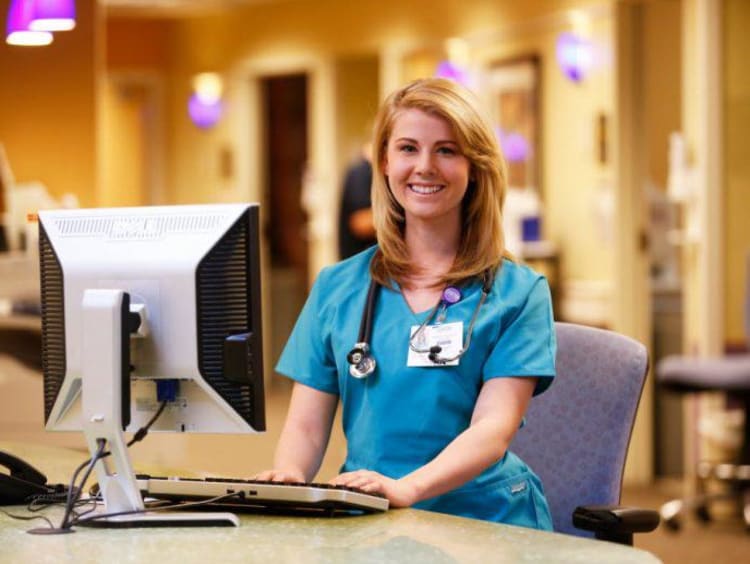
418, 316
467, 291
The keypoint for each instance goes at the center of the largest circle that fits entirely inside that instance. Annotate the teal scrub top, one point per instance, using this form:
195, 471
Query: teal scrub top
399, 418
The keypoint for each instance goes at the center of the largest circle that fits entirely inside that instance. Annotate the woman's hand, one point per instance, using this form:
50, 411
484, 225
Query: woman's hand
398, 492
280, 476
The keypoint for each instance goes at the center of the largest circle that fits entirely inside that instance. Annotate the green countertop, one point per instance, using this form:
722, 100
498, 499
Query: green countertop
401, 535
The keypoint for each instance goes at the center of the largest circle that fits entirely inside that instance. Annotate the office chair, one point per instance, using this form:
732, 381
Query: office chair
730, 375
577, 433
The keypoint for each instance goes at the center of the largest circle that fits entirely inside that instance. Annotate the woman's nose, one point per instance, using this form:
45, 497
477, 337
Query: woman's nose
425, 164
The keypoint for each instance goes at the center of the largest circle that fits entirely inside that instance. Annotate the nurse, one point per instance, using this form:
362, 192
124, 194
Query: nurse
428, 430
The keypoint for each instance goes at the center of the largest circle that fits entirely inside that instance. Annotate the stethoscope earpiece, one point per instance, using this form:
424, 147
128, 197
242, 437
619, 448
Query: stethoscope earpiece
434, 355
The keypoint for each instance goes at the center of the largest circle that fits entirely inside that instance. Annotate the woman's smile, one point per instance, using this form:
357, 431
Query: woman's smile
425, 188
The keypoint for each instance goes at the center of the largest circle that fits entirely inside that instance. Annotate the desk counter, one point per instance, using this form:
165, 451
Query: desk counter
402, 535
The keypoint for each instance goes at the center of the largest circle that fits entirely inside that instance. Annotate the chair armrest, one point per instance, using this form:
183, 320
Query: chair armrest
615, 523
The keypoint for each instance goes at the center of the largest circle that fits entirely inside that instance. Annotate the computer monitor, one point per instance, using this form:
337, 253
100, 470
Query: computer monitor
144, 305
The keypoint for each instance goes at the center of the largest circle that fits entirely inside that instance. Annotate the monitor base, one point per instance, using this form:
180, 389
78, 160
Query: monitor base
164, 519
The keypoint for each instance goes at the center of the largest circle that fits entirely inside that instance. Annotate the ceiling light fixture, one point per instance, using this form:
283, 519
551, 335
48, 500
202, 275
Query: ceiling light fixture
53, 15
18, 26
574, 55
205, 106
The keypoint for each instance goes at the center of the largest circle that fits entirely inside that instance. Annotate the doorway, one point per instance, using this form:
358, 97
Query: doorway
285, 138
661, 105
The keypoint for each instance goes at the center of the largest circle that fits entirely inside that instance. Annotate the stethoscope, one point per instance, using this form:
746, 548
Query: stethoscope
361, 361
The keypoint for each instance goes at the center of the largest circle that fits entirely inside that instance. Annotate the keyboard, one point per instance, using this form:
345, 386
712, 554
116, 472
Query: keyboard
255, 496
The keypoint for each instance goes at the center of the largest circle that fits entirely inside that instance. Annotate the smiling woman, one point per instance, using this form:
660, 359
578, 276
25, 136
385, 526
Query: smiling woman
439, 275
447, 116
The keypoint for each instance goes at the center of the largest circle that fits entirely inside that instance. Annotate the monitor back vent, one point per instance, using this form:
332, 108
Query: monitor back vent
53, 321
129, 228
224, 308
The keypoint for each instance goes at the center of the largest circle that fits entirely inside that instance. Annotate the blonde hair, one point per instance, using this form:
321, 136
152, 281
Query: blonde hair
482, 244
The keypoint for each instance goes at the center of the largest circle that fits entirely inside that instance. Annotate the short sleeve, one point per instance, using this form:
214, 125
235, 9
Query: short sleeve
307, 357
526, 345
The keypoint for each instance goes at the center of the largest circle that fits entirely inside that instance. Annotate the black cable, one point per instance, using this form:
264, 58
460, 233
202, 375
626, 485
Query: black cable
139, 436
73, 497
143, 431
74, 492
27, 517
92, 505
37, 502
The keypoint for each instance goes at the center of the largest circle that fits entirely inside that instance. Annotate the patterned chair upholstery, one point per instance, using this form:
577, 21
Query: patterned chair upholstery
577, 433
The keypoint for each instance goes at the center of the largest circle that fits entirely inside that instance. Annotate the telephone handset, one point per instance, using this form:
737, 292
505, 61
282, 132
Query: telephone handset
23, 480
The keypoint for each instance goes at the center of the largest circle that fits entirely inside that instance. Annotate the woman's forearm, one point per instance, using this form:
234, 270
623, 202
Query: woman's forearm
300, 450
305, 435
497, 415
467, 456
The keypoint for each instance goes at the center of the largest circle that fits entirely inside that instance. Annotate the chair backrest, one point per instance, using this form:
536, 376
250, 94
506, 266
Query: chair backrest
577, 433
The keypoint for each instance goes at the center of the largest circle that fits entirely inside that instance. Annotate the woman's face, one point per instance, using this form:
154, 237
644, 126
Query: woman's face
426, 170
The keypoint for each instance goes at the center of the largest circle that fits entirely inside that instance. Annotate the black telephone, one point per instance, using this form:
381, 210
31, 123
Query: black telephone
23, 481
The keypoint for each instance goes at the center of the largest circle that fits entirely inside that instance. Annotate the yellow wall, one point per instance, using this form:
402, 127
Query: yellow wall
137, 43
736, 105
662, 83
336, 30
122, 147
48, 107
572, 180
298, 30
48, 116
717, 272
340, 26
357, 96
694, 253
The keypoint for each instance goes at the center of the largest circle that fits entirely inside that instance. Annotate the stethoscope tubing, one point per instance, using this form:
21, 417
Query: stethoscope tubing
361, 362
365, 325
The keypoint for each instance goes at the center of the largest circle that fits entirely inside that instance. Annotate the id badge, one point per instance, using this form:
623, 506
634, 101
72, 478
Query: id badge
448, 336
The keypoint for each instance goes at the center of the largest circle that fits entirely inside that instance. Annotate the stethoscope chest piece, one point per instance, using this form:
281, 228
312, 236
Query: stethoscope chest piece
361, 363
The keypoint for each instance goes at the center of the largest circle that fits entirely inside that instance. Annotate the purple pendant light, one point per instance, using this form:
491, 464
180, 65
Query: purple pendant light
574, 55
204, 113
17, 28
54, 15
205, 106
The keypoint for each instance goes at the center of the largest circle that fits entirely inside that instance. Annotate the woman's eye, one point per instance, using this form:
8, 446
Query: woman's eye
447, 150
407, 148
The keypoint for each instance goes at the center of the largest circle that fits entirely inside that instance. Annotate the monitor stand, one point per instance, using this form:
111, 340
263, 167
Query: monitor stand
105, 381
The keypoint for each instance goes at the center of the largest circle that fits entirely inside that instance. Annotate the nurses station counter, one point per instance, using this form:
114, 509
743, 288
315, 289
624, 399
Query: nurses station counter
400, 535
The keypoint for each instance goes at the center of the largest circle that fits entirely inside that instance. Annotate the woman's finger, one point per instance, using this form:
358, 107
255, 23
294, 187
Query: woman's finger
276, 476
